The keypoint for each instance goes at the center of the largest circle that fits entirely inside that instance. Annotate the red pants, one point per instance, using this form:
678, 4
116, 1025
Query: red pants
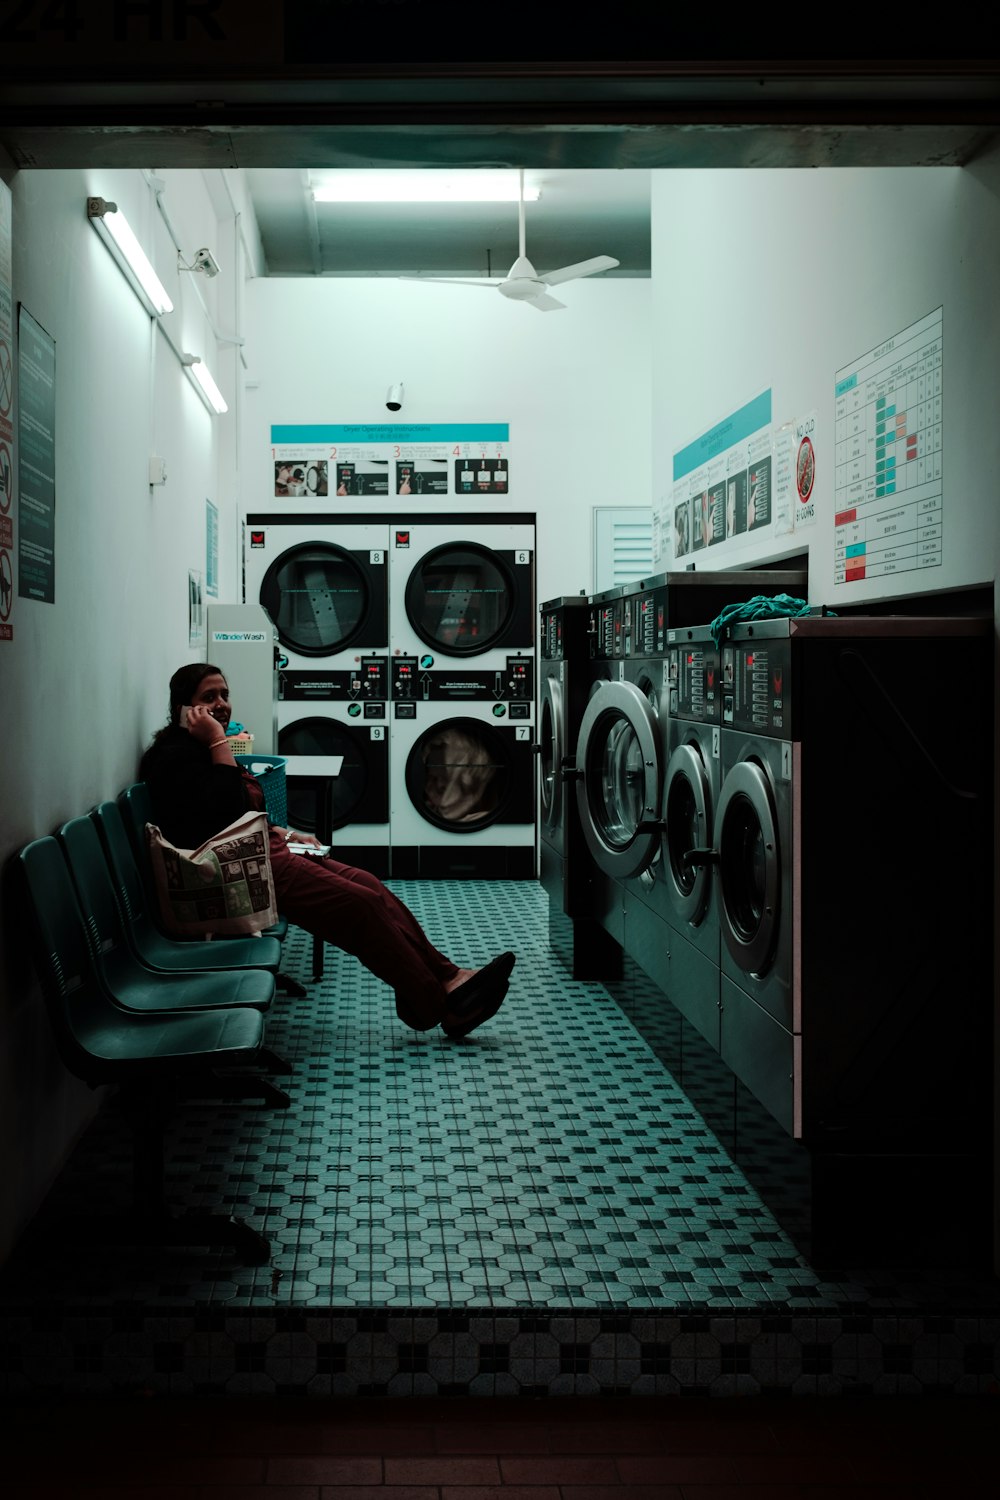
353, 910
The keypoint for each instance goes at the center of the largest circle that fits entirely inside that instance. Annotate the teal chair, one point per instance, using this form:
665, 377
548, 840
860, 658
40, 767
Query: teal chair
151, 946
137, 810
150, 1058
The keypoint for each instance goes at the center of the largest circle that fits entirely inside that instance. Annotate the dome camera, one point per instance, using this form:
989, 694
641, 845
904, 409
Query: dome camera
394, 397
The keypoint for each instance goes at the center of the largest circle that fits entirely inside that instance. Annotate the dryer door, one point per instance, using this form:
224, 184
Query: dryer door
323, 599
551, 740
619, 790
749, 866
464, 774
465, 598
687, 817
360, 794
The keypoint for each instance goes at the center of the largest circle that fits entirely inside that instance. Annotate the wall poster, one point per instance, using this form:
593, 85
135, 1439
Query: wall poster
6, 417
373, 461
211, 549
36, 460
889, 487
722, 487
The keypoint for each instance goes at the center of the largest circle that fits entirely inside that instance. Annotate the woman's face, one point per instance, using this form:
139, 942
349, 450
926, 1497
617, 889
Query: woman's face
213, 691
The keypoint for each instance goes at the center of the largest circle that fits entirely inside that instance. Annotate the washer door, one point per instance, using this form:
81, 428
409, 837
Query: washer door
462, 599
463, 774
620, 787
687, 819
321, 599
551, 741
358, 795
749, 866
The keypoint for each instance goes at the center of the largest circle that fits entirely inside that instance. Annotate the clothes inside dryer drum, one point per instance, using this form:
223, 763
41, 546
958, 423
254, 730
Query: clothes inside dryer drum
456, 777
459, 599
317, 599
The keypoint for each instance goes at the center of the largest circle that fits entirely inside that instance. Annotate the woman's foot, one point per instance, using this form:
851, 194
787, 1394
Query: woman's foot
475, 1000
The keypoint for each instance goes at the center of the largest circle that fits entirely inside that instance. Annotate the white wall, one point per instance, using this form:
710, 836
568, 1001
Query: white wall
778, 279
85, 678
573, 385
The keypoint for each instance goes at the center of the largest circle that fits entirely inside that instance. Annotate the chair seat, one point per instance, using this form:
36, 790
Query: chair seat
139, 989
122, 1045
158, 951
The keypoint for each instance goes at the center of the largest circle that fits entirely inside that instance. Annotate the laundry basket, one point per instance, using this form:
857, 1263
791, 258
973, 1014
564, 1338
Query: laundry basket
269, 771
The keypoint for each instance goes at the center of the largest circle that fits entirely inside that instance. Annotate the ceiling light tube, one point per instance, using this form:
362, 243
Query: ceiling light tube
201, 379
116, 232
431, 186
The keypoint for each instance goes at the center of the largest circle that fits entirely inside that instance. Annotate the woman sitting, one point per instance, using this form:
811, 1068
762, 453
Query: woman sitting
197, 789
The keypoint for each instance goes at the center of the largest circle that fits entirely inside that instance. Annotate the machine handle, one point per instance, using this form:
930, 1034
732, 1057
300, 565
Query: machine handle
693, 858
570, 772
656, 825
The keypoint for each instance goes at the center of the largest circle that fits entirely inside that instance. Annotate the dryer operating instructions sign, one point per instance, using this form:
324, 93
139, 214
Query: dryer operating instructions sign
374, 460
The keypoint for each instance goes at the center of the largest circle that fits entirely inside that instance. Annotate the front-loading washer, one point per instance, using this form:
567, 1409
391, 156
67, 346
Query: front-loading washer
575, 938
322, 578
855, 886
607, 643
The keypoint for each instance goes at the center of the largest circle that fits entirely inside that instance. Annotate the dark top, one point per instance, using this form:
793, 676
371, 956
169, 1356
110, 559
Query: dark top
193, 797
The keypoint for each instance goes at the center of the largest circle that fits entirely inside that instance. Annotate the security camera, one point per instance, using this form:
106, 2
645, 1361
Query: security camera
394, 397
205, 261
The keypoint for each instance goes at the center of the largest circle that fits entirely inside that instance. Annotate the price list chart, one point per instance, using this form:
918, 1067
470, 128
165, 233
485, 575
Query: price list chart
889, 456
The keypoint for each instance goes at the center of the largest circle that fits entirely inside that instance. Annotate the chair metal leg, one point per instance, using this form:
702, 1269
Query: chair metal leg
289, 986
317, 957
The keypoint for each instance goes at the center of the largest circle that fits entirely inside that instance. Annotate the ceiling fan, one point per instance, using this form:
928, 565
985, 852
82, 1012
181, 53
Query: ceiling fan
522, 282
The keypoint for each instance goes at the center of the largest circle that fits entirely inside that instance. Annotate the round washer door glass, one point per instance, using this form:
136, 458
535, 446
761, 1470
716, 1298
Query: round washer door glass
620, 789
458, 775
316, 736
749, 867
550, 756
460, 598
318, 597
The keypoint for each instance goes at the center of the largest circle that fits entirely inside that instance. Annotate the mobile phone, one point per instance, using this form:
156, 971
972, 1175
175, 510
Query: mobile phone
182, 717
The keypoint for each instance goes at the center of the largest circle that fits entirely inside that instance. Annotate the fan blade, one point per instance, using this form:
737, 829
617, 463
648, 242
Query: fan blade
492, 283
545, 303
582, 268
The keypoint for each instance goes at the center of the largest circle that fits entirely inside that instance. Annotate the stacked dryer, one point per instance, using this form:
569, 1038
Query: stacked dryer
322, 578
462, 688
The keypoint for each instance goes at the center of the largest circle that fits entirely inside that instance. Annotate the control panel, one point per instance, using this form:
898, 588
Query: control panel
367, 681
756, 687
695, 677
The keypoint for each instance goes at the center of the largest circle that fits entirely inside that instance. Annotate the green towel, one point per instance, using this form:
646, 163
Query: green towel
760, 607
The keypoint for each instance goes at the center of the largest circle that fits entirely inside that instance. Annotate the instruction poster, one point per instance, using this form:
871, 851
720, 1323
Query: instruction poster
739, 482
368, 462
6, 420
36, 460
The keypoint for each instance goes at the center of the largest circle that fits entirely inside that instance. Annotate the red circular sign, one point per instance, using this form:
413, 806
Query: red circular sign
805, 469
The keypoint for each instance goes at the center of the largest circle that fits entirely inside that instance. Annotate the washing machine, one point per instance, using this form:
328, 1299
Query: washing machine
854, 873
683, 885
564, 867
322, 578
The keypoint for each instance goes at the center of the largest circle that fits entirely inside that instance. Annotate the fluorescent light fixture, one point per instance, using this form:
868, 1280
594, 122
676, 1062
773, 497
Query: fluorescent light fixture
201, 379
428, 186
117, 234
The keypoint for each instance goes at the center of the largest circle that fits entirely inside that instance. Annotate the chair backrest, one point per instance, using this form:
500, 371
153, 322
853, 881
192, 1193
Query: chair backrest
95, 888
61, 952
137, 810
121, 859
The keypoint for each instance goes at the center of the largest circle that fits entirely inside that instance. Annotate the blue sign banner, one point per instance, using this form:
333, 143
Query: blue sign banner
390, 432
725, 434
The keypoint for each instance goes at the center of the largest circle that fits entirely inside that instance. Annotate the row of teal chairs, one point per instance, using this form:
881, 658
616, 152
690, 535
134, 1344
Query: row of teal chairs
158, 1019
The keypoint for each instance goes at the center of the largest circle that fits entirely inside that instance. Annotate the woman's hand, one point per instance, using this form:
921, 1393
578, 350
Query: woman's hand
301, 838
200, 722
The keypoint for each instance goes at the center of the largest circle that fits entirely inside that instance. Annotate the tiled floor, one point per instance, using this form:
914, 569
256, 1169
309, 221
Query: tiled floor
537, 1209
